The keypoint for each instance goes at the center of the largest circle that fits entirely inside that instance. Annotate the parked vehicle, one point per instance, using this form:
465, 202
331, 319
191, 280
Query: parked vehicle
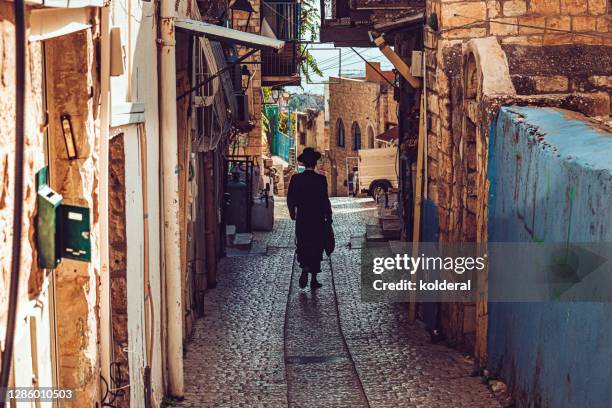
378, 171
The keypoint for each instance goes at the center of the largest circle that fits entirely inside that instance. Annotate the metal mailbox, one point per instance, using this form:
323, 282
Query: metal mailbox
73, 233
63, 231
47, 223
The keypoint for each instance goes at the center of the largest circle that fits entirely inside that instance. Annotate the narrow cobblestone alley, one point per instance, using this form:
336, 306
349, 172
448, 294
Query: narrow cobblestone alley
263, 343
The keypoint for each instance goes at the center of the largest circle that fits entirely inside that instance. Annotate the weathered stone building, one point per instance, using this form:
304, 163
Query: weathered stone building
479, 55
57, 307
359, 110
106, 311
311, 131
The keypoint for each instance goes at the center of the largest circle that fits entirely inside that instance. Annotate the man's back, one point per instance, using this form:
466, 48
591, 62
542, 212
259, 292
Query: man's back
307, 196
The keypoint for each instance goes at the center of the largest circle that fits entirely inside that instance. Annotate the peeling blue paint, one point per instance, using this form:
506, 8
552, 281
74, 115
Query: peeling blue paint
550, 180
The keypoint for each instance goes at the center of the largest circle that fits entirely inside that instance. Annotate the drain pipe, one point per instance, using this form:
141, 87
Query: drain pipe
105, 308
170, 190
20, 84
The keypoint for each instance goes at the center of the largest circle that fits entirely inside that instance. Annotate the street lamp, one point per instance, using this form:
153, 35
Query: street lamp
245, 74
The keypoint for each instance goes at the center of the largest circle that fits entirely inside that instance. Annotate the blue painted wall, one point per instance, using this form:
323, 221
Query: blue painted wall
550, 175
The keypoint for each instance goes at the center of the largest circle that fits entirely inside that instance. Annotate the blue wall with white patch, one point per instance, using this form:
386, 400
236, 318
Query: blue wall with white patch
551, 181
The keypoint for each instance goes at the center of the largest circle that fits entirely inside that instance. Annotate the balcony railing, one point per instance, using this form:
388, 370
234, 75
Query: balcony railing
283, 20
347, 22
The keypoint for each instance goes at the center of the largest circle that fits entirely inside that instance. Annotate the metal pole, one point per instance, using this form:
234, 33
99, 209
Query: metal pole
170, 182
20, 85
105, 308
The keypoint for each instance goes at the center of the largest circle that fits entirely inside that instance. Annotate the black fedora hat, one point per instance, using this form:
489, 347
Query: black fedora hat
309, 156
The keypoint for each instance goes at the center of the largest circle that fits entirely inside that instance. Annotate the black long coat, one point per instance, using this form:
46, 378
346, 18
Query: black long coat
309, 206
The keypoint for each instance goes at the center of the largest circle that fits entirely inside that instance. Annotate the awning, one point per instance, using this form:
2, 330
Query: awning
228, 35
66, 3
389, 135
50, 23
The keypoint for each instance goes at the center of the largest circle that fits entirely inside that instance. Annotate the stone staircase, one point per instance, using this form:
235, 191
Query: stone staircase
389, 225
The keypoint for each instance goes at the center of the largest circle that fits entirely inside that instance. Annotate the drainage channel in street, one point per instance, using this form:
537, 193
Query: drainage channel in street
319, 369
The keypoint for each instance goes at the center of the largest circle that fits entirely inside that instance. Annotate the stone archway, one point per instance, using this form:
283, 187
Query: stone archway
485, 77
371, 142
340, 135
356, 136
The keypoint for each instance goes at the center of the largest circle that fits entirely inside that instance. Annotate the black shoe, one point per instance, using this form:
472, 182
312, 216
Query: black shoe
314, 283
303, 279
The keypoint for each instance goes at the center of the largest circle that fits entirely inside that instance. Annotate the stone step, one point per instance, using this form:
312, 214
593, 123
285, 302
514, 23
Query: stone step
230, 233
357, 242
374, 234
243, 241
392, 228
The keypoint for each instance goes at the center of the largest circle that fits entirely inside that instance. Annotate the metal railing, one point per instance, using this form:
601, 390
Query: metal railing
282, 63
282, 145
283, 19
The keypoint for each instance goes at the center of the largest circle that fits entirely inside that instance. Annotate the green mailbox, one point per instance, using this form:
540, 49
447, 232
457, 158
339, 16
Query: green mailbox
47, 223
73, 233
63, 231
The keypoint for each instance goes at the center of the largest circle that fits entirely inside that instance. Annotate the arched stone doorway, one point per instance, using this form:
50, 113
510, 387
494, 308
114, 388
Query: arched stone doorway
370, 137
356, 134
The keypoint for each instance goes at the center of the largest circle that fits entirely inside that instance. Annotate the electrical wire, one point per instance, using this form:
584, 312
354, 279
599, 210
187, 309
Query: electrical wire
20, 50
545, 29
345, 61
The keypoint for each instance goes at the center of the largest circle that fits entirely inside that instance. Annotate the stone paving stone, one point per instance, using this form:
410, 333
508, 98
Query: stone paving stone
240, 356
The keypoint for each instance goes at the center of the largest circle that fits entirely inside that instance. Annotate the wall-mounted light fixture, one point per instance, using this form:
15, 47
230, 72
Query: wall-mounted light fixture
245, 75
68, 137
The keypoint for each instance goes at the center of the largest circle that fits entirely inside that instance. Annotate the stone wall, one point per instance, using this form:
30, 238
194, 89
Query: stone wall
369, 104
543, 59
118, 267
550, 184
556, 53
31, 278
312, 125
73, 88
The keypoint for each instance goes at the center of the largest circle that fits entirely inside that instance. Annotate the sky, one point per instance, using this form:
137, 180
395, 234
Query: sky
338, 61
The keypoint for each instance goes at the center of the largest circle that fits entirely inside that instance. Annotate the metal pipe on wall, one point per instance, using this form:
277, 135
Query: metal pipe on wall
105, 313
149, 311
20, 88
170, 189
210, 220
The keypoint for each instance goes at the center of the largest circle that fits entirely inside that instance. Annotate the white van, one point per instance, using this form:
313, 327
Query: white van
378, 170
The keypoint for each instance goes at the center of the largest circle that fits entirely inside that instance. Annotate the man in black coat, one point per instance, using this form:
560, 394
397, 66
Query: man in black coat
309, 206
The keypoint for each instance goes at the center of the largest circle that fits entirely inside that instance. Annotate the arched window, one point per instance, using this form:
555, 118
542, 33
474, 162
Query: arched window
356, 136
340, 133
370, 137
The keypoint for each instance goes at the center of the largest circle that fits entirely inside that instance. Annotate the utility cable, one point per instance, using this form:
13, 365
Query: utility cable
20, 50
544, 29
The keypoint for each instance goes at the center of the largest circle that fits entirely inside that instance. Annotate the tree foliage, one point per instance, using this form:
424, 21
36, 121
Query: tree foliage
310, 18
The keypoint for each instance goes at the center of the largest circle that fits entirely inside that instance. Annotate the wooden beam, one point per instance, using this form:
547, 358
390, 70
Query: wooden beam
418, 197
397, 62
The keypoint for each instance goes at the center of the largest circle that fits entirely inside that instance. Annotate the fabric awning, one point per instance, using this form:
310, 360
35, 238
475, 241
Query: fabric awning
228, 35
46, 23
389, 135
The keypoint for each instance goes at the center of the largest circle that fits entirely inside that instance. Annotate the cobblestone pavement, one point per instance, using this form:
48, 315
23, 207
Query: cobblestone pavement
334, 350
